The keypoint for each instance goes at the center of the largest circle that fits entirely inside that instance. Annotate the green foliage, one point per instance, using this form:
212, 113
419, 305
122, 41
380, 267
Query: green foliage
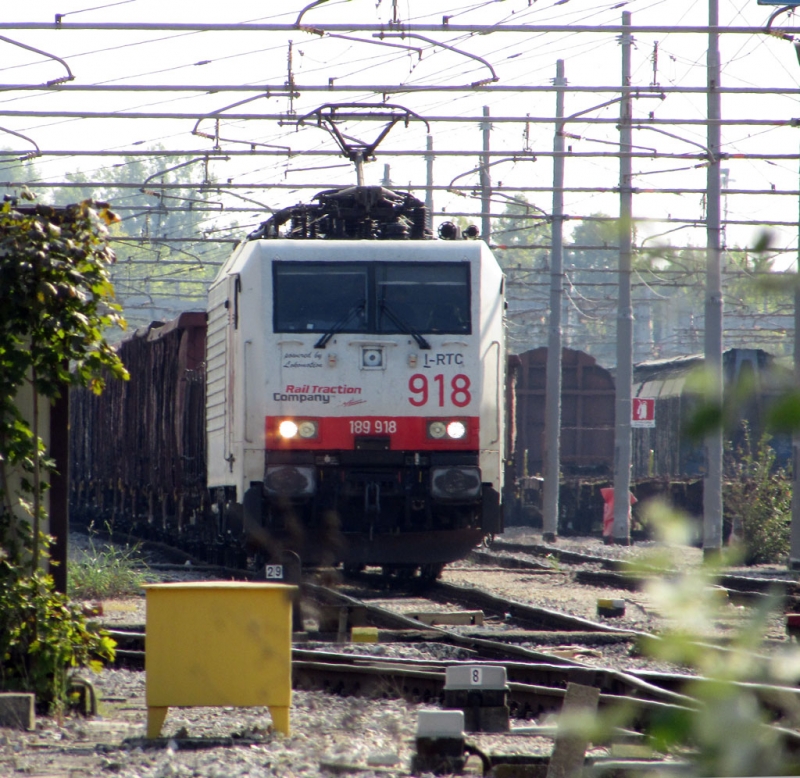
591, 283
758, 500
54, 293
784, 413
521, 226
733, 726
101, 572
677, 280
55, 300
43, 637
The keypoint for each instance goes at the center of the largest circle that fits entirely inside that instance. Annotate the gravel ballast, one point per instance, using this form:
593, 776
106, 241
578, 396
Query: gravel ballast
330, 734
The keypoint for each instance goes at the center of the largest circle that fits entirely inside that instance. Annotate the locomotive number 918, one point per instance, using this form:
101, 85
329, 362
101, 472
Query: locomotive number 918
354, 390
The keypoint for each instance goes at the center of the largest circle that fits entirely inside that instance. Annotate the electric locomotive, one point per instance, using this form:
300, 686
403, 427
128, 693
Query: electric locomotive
354, 375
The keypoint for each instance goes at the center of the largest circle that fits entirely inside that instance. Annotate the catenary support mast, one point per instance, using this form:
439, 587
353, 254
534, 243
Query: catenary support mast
794, 542
622, 431
552, 404
712, 486
486, 179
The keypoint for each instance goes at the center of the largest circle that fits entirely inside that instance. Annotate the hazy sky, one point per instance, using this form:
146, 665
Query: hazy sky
356, 59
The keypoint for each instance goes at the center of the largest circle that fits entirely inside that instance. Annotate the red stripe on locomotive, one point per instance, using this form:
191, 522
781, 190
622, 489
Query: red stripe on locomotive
405, 433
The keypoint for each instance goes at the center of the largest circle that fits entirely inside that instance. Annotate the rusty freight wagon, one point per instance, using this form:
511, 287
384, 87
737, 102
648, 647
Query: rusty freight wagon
137, 452
587, 436
587, 414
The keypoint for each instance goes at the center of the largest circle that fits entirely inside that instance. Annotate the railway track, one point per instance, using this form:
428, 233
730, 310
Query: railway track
520, 636
511, 621
537, 679
595, 570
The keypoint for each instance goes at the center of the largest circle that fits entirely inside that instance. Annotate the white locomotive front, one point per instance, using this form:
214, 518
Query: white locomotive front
354, 399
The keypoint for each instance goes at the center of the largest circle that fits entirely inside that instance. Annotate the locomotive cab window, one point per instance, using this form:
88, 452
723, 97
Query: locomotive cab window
374, 297
316, 297
432, 297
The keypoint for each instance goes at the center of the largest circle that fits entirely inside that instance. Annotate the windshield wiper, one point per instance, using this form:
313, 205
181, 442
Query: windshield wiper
341, 324
403, 327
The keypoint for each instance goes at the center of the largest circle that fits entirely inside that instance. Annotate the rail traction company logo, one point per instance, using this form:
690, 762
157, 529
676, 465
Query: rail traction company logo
312, 393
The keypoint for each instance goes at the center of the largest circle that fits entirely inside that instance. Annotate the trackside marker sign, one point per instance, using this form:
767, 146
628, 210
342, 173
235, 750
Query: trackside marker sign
643, 412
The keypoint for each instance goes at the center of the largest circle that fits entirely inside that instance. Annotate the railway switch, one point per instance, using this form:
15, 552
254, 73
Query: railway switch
339, 620
481, 693
440, 743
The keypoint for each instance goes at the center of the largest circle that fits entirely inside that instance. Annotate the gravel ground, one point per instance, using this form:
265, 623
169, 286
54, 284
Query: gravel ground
642, 611
681, 557
327, 732
325, 729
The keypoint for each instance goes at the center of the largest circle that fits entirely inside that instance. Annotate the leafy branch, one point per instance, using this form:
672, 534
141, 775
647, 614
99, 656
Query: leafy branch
56, 299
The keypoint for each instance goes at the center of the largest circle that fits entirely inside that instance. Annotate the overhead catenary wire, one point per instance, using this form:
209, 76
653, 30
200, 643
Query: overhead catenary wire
277, 161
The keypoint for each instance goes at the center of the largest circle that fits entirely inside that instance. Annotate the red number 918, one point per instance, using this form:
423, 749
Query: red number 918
459, 390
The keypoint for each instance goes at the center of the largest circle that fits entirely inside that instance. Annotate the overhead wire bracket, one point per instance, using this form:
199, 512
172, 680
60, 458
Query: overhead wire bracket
30, 154
463, 53
55, 81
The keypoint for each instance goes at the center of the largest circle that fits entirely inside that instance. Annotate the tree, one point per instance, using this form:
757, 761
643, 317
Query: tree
55, 300
516, 238
759, 303
591, 285
156, 276
521, 227
55, 296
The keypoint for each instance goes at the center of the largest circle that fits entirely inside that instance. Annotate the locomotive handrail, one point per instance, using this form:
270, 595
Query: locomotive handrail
244, 367
497, 391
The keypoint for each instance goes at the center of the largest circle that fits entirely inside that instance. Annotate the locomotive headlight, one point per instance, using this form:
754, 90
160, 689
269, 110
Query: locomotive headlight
437, 429
287, 429
307, 429
452, 429
456, 430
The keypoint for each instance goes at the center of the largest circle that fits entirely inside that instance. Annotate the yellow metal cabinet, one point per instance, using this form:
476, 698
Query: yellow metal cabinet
219, 643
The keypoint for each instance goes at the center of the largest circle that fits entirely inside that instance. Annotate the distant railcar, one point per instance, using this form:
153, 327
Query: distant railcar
666, 461
587, 414
586, 441
665, 451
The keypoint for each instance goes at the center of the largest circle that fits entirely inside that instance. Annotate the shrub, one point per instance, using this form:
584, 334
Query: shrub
742, 720
56, 299
43, 637
757, 498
